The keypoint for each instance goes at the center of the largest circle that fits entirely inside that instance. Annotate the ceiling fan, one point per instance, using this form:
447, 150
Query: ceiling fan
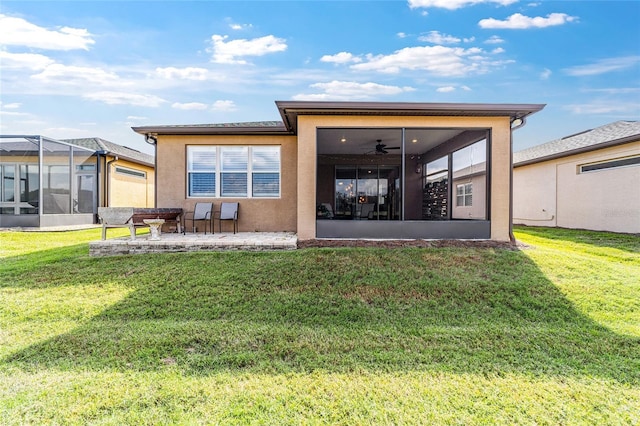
382, 148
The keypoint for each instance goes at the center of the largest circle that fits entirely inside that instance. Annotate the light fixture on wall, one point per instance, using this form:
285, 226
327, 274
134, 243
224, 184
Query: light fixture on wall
418, 169
343, 139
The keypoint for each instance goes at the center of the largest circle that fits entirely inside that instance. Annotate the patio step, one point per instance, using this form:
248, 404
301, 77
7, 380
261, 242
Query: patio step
171, 243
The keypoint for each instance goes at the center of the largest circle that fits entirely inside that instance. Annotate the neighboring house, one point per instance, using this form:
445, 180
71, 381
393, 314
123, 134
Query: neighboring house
47, 182
590, 180
349, 169
128, 178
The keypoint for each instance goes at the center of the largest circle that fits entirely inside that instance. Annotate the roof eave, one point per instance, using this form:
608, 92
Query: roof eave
576, 151
202, 130
289, 110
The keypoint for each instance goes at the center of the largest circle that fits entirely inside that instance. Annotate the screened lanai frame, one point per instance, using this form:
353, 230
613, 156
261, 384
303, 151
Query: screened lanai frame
46, 182
405, 215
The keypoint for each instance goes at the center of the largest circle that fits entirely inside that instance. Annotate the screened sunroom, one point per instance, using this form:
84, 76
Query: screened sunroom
46, 182
403, 182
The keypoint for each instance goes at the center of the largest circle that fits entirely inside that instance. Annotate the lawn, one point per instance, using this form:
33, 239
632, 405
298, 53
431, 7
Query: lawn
548, 334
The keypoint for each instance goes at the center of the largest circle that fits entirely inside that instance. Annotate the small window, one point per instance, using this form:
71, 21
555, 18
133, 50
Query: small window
464, 196
612, 164
131, 172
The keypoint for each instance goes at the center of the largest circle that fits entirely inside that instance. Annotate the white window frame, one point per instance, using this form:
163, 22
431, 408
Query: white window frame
218, 170
467, 191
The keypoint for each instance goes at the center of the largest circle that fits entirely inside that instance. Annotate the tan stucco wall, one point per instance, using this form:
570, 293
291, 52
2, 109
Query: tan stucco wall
255, 214
604, 200
500, 161
130, 191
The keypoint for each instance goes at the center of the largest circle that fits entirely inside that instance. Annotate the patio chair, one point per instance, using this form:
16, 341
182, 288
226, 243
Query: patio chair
202, 212
366, 211
228, 211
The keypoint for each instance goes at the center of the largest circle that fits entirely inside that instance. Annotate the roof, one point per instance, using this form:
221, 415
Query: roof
612, 134
290, 110
244, 128
98, 144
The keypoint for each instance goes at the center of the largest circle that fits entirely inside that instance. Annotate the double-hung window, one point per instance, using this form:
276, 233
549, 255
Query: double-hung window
464, 194
234, 162
265, 167
201, 171
233, 171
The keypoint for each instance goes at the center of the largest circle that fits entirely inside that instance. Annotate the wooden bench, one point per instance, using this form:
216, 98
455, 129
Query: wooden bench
170, 215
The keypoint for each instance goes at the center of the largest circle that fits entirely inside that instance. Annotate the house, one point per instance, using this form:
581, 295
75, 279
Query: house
349, 169
48, 182
128, 178
590, 180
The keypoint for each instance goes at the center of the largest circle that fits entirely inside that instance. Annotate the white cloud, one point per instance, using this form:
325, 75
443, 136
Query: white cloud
454, 4
229, 52
518, 21
498, 50
545, 74
189, 73
70, 74
438, 60
240, 27
445, 89
605, 107
616, 90
603, 66
12, 105
494, 40
136, 118
125, 98
437, 37
32, 61
340, 58
65, 132
14, 113
349, 90
19, 32
190, 106
224, 105
401, 35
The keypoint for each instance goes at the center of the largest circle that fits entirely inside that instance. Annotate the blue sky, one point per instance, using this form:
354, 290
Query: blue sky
96, 68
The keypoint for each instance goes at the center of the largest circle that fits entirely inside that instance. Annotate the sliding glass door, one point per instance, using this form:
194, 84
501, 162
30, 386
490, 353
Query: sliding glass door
367, 192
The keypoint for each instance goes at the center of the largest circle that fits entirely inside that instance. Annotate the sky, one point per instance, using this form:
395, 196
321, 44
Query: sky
96, 68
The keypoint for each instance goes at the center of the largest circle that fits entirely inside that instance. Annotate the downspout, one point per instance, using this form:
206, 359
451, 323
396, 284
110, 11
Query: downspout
153, 140
515, 125
107, 187
99, 155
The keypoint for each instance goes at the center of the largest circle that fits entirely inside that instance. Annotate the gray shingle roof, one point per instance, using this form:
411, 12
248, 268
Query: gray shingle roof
98, 144
607, 135
267, 124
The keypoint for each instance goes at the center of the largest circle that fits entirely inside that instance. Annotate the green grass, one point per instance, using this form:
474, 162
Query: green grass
549, 334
